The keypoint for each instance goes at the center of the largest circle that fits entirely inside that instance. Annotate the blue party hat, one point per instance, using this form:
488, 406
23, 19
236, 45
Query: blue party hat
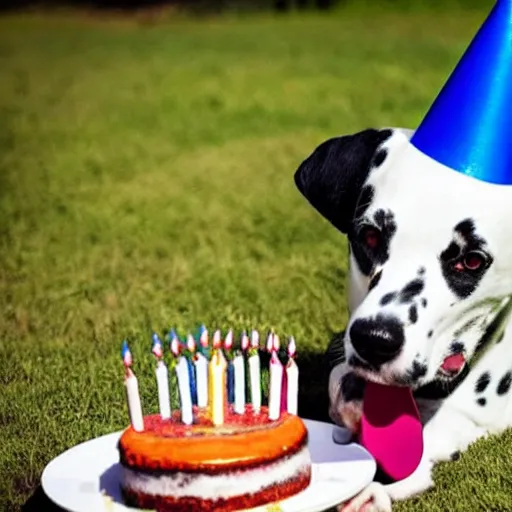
469, 126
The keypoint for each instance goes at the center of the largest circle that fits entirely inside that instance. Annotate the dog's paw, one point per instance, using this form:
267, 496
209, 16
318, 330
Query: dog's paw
346, 414
345, 397
374, 498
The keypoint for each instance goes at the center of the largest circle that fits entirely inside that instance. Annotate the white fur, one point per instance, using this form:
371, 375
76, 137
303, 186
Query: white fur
428, 200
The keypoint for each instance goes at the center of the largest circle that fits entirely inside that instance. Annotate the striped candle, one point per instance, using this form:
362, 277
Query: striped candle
292, 379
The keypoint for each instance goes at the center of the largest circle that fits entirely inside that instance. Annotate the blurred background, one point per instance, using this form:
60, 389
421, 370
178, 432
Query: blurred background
223, 6
147, 153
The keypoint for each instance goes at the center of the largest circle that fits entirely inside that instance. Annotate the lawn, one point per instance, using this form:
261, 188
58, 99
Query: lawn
146, 178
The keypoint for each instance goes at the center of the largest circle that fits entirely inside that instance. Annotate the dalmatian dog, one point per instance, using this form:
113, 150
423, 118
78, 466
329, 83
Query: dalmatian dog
430, 288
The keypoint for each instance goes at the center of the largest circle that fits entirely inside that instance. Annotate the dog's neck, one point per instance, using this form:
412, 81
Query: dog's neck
493, 335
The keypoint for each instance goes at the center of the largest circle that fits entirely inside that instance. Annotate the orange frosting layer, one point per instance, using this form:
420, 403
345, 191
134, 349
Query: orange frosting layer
243, 441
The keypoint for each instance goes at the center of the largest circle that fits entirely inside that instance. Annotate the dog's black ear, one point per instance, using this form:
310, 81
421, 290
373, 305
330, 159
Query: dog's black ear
331, 178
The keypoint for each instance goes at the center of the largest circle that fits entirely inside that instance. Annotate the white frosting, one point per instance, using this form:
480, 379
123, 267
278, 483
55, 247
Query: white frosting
204, 486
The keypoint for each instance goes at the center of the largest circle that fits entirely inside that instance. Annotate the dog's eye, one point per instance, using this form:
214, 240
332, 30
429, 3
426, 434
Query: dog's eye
474, 260
370, 237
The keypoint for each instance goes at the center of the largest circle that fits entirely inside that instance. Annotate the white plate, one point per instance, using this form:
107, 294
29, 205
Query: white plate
85, 478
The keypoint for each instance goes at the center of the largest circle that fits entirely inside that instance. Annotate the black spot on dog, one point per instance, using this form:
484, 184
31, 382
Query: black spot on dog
429, 334
466, 229
375, 280
412, 375
379, 157
364, 201
386, 299
424, 302
413, 314
385, 220
482, 382
451, 252
504, 384
463, 282
418, 370
455, 456
352, 387
457, 347
411, 290
421, 271
481, 401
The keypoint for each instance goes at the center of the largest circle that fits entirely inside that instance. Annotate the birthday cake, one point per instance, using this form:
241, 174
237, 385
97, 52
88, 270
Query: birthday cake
215, 453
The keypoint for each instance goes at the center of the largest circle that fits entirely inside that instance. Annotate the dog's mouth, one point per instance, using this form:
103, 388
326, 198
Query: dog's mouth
451, 366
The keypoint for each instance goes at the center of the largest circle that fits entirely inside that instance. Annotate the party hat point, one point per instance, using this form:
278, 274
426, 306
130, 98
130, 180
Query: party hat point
467, 128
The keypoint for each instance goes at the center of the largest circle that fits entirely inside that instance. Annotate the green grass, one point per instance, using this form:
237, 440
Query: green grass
146, 181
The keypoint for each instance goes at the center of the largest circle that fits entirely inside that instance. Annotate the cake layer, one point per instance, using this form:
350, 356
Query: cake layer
221, 486
263, 496
244, 441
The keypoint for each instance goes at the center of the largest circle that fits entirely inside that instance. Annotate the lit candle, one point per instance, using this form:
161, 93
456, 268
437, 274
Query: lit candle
228, 345
191, 348
217, 386
276, 380
183, 383
162, 379
132, 391
255, 372
239, 368
292, 378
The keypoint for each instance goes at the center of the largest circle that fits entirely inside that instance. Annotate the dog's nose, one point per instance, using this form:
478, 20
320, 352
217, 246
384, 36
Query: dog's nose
379, 340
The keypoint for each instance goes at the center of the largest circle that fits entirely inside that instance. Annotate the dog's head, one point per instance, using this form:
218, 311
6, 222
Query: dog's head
430, 253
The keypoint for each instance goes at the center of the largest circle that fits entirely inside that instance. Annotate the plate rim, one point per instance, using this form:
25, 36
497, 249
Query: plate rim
318, 507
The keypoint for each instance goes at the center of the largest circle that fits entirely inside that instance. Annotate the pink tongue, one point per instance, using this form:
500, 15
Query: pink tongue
391, 429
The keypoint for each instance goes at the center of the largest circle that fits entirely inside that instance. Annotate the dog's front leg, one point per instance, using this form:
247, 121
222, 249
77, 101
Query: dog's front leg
377, 497
448, 433
445, 435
